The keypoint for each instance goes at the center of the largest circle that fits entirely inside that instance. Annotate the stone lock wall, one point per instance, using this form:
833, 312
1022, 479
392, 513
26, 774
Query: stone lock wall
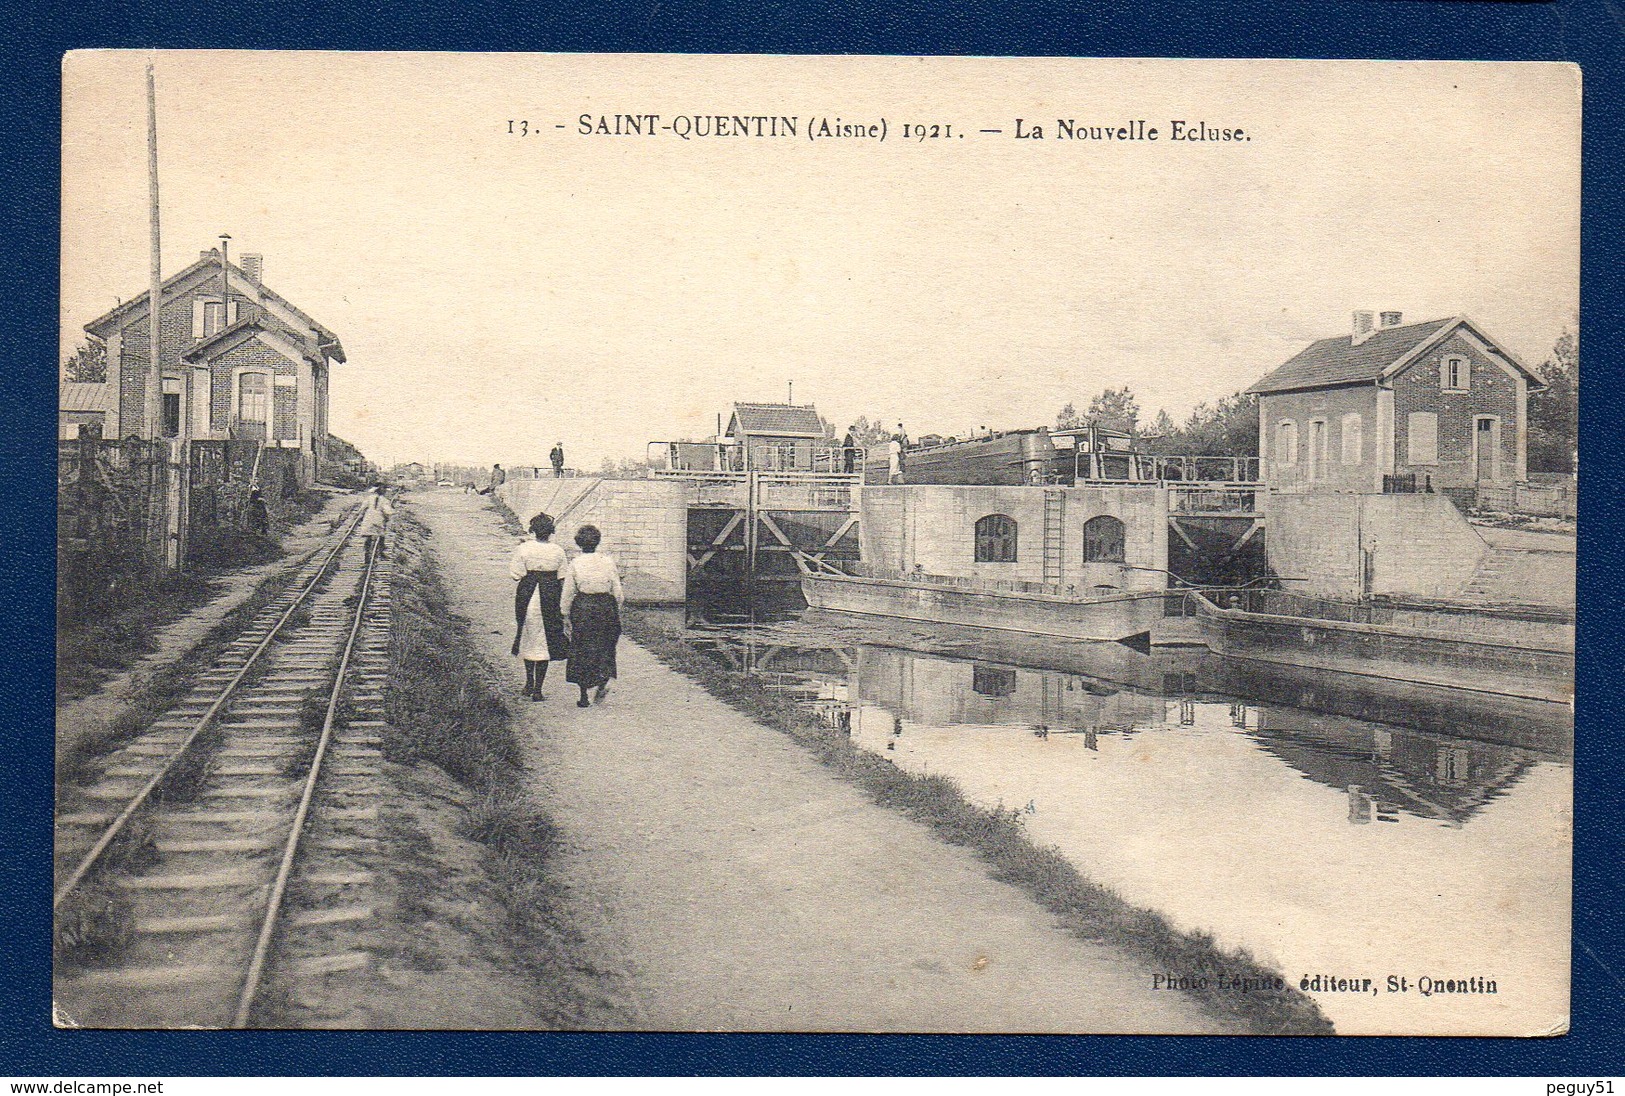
644, 522
1421, 545
934, 527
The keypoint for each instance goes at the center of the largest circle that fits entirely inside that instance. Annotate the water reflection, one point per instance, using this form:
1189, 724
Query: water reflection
1322, 835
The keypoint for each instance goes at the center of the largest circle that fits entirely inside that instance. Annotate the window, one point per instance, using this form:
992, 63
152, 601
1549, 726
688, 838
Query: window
1103, 540
1455, 373
996, 539
1353, 438
1422, 438
253, 398
208, 316
1286, 443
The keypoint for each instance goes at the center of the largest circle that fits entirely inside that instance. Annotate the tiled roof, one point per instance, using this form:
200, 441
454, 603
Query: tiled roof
1337, 361
779, 419
85, 396
207, 265
226, 336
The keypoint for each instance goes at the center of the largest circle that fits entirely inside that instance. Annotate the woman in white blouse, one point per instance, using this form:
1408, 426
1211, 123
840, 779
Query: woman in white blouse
539, 620
592, 601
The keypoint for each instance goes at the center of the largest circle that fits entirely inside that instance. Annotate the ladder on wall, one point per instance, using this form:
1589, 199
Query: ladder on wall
1054, 535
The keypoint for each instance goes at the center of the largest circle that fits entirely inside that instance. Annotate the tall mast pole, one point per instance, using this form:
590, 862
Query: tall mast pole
155, 368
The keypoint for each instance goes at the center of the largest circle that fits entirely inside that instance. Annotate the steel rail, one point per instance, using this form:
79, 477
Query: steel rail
290, 849
116, 827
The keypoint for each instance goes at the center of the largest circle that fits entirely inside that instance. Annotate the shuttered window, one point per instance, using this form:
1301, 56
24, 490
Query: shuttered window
1353, 438
1422, 438
1286, 443
206, 316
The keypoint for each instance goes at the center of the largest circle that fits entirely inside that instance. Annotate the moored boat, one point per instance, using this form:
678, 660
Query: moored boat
1013, 606
1523, 652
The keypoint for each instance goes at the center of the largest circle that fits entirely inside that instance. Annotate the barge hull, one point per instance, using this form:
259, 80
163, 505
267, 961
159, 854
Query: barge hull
1109, 618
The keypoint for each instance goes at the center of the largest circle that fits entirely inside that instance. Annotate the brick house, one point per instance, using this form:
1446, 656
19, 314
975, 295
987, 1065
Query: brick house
1364, 412
246, 364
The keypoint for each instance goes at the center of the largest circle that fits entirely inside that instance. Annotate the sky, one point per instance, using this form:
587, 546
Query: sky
500, 287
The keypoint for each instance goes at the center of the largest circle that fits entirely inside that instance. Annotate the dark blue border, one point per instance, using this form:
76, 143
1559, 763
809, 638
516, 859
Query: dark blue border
1590, 32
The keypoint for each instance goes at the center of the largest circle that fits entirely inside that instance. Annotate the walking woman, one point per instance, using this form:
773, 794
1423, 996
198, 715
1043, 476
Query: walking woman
592, 599
539, 623
375, 517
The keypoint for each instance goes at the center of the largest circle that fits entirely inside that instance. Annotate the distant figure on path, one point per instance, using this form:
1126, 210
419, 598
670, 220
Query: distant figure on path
849, 451
498, 478
894, 461
258, 515
374, 520
592, 600
539, 622
557, 457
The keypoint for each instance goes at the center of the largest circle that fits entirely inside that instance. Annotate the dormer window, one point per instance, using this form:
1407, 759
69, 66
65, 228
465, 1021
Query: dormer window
1455, 374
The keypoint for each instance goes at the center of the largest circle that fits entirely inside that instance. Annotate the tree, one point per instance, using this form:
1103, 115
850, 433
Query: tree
1114, 409
868, 433
1228, 428
1554, 414
88, 364
1162, 426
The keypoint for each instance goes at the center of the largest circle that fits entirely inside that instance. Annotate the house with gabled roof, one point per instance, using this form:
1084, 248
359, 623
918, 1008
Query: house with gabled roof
1440, 405
239, 360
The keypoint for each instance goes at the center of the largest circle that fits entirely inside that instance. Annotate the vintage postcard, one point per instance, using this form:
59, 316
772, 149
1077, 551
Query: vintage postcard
869, 544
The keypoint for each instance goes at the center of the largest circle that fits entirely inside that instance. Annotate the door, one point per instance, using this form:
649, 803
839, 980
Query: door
1486, 449
172, 407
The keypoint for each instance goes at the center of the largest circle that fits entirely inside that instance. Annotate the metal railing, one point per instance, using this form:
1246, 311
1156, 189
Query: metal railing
690, 459
1116, 468
1211, 500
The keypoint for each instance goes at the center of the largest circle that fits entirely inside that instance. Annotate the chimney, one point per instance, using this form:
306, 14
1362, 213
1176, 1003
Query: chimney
254, 267
1364, 326
1387, 319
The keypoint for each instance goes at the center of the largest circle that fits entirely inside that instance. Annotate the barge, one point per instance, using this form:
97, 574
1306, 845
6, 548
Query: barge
1031, 608
1016, 458
1525, 653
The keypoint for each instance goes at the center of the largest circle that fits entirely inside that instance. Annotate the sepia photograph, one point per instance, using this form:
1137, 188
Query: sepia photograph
1032, 545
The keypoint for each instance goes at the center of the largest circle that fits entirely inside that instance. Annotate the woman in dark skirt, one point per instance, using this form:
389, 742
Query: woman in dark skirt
539, 623
592, 600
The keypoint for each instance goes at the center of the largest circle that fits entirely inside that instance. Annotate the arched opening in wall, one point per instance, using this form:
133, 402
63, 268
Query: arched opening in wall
1103, 538
993, 681
996, 539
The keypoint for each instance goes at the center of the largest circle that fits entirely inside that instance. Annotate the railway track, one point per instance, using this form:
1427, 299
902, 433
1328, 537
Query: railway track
222, 862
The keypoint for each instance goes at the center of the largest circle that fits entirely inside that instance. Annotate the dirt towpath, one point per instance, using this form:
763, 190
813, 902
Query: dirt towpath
723, 880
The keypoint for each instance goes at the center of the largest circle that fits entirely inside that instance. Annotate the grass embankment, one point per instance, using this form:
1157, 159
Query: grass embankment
119, 627
1089, 910
159, 691
445, 707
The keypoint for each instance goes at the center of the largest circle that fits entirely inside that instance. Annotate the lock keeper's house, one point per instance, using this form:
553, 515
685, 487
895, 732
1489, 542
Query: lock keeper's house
1395, 407
240, 361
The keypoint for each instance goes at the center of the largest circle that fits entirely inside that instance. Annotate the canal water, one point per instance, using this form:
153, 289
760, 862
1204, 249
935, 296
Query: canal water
1327, 832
